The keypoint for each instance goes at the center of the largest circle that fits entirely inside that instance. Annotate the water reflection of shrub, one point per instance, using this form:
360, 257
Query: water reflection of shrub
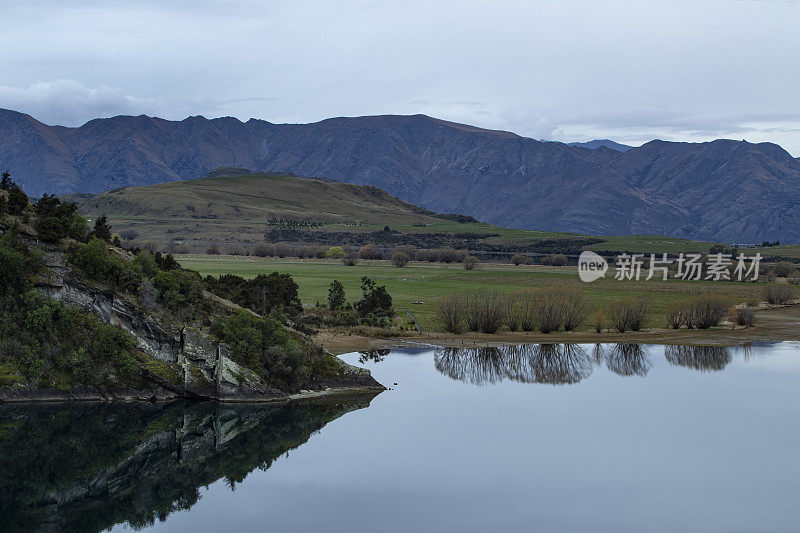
556, 364
702, 358
628, 359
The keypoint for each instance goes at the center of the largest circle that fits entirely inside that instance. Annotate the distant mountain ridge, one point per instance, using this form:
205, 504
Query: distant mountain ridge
722, 190
607, 143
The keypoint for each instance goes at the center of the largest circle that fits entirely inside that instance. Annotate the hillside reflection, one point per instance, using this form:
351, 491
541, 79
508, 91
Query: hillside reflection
566, 364
89, 467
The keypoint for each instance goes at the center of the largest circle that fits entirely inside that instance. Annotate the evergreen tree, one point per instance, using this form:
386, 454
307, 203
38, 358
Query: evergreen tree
336, 298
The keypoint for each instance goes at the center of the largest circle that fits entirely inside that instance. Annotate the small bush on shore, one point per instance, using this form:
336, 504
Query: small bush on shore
450, 314
629, 314
744, 316
778, 293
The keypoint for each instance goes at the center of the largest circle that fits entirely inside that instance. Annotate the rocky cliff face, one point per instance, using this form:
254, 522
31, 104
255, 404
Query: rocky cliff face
180, 361
724, 190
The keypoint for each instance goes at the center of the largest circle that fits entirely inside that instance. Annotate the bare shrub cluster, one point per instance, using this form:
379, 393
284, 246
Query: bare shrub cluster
554, 260
784, 269
629, 314
701, 312
778, 293
519, 259
744, 316
545, 309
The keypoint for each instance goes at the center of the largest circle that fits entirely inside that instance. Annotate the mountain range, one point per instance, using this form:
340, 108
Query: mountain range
723, 190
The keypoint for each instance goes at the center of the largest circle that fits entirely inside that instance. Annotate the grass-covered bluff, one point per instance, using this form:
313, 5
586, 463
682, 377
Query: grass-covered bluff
81, 312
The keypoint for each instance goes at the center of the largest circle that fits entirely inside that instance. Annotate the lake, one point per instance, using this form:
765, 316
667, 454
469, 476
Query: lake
529, 438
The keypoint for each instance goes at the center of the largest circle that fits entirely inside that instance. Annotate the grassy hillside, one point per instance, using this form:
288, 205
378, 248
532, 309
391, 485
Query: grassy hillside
239, 209
244, 209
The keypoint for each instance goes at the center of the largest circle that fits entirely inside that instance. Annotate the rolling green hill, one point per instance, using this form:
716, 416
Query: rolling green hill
235, 207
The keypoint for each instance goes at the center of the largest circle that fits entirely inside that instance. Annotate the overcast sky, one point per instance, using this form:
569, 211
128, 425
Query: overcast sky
564, 70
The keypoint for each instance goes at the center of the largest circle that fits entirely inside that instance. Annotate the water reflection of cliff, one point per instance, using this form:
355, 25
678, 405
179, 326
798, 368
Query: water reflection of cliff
564, 364
86, 468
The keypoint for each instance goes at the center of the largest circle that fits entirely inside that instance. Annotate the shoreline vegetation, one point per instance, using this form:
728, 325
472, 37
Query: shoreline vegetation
84, 318
420, 287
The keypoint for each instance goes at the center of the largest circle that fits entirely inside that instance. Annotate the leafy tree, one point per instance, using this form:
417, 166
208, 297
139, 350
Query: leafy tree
374, 299
17, 200
268, 292
179, 290
101, 228
400, 259
335, 252
94, 260
336, 297
56, 220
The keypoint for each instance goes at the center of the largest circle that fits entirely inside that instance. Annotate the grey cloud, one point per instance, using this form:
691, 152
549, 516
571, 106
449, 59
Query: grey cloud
622, 69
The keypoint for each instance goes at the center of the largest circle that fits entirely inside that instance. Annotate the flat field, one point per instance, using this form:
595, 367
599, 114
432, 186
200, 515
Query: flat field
419, 287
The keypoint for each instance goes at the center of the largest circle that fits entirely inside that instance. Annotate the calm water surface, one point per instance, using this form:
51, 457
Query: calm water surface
535, 438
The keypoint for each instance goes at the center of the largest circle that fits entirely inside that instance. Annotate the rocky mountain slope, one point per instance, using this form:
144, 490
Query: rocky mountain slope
722, 190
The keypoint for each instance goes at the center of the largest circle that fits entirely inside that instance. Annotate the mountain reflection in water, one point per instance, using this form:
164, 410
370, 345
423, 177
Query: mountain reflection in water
566, 364
88, 467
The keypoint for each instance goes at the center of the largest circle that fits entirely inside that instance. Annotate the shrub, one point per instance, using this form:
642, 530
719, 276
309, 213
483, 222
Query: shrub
449, 255
101, 228
513, 312
549, 309
304, 252
335, 252
470, 262
489, 310
598, 321
374, 300
261, 249
449, 312
129, 234
575, 309
350, 259
179, 290
629, 314
234, 249
400, 259
519, 259
56, 220
283, 249
368, 251
17, 200
470, 310
778, 293
784, 269
555, 260
677, 316
93, 259
744, 316
707, 310
336, 297
146, 263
